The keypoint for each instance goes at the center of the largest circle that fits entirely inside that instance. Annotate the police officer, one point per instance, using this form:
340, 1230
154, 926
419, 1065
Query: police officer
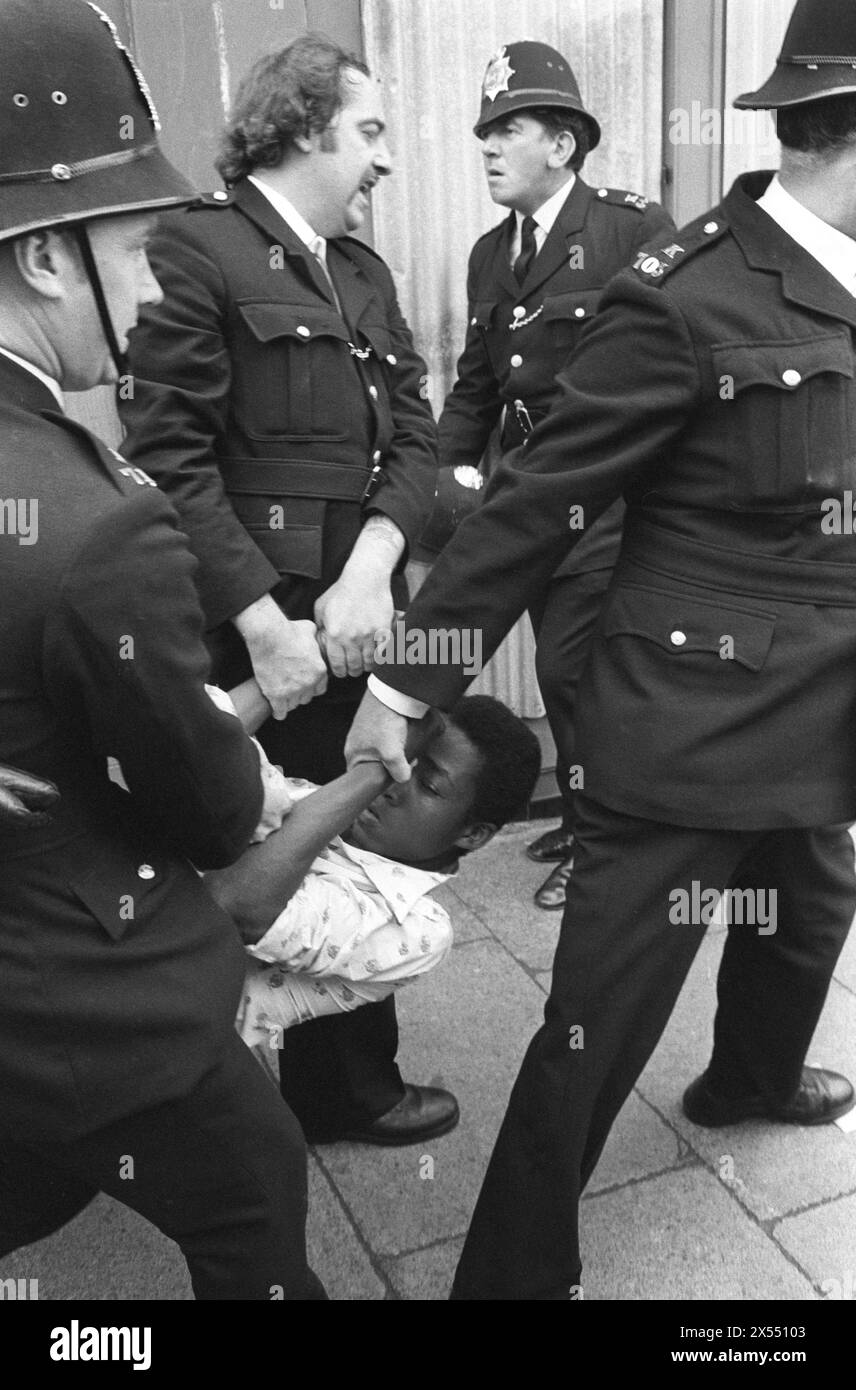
716, 391
279, 401
534, 284
120, 1069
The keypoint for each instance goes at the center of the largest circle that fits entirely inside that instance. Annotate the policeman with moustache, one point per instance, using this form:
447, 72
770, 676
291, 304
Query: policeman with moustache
715, 392
534, 284
279, 401
120, 1069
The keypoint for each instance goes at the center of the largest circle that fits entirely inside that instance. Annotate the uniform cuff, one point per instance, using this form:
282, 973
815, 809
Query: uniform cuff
393, 699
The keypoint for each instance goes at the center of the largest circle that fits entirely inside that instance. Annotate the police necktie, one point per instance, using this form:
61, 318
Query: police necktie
318, 247
528, 250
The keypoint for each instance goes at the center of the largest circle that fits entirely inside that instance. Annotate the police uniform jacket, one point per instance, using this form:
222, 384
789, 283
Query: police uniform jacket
265, 413
121, 977
716, 391
520, 336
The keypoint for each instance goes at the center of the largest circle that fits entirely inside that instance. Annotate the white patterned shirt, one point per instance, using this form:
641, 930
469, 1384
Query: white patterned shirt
358, 927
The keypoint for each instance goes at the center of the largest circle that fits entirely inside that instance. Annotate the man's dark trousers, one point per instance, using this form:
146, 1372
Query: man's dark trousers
562, 649
618, 970
221, 1171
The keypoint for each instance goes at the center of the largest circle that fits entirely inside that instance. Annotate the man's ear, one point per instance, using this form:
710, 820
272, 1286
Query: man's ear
563, 150
476, 835
44, 260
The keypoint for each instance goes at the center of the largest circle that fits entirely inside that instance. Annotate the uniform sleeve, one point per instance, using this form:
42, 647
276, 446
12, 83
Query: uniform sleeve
624, 396
177, 417
125, 659
406, 495
474, 404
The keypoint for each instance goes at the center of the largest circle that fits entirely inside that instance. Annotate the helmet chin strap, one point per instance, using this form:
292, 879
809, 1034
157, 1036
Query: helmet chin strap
94, 278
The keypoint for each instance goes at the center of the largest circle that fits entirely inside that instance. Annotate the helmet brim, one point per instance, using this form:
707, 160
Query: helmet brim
794, 84
148, 184
525, 101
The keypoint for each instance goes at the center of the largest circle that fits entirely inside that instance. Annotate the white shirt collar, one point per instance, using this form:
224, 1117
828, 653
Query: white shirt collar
835, 251
401, 885
288, 212
53, 386
546, 215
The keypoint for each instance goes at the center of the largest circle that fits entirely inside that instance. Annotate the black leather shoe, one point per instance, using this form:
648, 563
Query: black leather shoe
424, 1112
821, 1097
554, 845
553, 891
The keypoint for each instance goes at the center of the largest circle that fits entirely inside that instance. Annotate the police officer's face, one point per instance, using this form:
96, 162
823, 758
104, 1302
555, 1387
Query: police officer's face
119, 247
349, 158
524, 163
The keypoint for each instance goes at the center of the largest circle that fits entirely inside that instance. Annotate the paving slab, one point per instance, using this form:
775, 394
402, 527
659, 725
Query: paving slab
497, 884
465, 924
822, 1241
465, 1027
333, 1248
107, 1252
426, 1275
639, 1144
681, 1236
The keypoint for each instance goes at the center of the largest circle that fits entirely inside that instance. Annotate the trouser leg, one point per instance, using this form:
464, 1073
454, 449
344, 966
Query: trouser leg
221, 1171
619, 967
772, 984
564, 620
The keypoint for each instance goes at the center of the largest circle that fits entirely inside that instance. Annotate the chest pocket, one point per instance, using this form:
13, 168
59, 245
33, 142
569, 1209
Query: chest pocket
565, 317
788, 415
292, 382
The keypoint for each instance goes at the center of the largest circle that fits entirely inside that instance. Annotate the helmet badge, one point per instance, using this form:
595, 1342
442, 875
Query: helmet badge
499, 74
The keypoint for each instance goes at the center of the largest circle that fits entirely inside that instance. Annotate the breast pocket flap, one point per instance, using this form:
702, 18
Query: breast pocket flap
680, 625
577, 307
783, 365
301, 322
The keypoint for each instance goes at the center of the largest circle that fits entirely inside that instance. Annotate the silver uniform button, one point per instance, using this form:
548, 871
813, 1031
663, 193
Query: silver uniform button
145, 871
711, 227
579, 313
303, 330
517, 360
791, 377
373, 392
519, 312
473, 323
392, 359
60, 171
678, 638
220, 196
377, 456
603, 193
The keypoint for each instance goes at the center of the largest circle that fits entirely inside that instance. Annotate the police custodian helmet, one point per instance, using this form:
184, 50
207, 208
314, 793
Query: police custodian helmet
530, 74
78, 129
818, 57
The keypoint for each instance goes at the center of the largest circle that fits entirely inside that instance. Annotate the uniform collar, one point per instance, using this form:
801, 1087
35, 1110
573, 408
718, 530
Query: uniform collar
767, 246
835, 251
546, 215
48, 381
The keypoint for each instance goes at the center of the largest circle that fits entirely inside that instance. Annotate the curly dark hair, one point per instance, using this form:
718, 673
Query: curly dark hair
295, 91
510, 756
818, 127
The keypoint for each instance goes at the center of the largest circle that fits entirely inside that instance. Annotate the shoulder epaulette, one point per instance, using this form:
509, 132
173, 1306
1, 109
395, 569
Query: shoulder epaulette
619, 197
220, 198
653, 264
